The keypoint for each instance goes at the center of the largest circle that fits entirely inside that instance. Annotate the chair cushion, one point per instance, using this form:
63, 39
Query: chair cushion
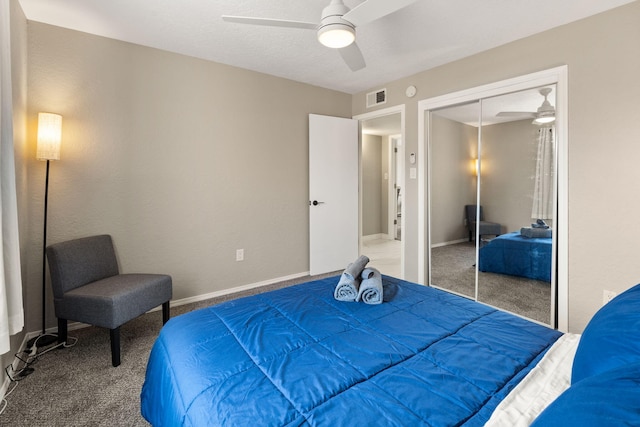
77, 262
115, 300
489, 228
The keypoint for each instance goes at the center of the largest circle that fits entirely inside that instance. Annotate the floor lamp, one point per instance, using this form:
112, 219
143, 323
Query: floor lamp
49, 139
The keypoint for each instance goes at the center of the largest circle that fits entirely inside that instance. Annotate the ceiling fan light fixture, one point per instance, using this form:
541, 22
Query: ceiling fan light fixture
336, 36
545, 117
546, 113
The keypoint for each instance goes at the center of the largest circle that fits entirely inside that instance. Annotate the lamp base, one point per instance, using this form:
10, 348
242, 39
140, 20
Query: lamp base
43, 340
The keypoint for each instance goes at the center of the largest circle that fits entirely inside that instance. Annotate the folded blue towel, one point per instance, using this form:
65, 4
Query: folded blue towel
539, 224
349, 283
355, 268
347, 288
370, 291
536, 232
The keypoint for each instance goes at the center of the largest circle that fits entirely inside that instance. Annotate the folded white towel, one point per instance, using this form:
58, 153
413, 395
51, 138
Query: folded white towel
370, 291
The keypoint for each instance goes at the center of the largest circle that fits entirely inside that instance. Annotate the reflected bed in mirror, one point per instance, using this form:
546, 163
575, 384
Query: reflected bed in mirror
453, 270
517, 255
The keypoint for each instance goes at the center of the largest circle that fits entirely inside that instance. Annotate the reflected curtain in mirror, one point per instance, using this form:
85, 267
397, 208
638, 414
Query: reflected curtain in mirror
543, 194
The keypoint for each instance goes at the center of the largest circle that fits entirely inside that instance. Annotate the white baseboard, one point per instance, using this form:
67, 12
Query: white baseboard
198, 298
378, 236
176, 303
453, 242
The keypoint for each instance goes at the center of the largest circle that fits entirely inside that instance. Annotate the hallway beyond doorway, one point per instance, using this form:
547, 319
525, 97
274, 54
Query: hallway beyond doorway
384, 254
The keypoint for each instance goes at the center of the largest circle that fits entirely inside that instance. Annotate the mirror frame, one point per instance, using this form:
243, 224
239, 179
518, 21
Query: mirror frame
557, 76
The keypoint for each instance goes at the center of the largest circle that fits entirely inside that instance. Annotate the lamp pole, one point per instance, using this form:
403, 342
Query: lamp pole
49, 138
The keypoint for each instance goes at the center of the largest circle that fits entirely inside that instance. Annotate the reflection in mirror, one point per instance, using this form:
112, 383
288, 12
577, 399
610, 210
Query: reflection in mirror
518, 191
492, 193
453, 150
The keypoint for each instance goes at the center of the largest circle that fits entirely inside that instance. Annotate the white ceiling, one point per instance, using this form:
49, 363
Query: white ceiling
421, 36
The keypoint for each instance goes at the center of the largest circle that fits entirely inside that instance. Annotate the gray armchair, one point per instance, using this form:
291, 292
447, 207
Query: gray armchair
88, 288
484, 227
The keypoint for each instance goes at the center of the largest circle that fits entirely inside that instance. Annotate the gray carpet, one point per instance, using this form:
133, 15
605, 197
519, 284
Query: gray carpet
78, 387
453, 268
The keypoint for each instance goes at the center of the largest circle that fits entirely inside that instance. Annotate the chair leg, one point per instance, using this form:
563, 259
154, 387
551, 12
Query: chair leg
165, 312
62, 331
115, 346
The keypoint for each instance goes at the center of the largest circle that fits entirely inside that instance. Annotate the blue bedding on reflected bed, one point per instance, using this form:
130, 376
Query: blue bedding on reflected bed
296, 356
516, 255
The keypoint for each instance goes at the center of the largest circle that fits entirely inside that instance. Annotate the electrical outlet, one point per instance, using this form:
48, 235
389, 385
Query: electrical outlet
239, 254
607, 296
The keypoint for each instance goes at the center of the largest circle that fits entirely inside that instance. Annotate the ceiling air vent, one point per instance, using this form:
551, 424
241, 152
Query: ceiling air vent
376, 97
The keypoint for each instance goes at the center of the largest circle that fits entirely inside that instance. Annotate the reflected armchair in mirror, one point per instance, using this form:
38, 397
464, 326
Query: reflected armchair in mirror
485, 227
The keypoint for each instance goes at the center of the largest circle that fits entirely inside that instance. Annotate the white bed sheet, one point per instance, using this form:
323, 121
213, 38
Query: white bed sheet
540, 387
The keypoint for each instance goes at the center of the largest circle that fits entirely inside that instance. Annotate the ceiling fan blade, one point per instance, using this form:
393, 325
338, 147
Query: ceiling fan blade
352, 56
516, 114
371, 10
270, 22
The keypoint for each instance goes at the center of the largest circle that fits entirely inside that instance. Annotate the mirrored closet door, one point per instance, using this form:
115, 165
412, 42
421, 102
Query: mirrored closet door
492, 201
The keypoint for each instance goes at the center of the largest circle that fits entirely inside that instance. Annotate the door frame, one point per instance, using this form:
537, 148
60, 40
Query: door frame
392, 203
397, 109
557, 76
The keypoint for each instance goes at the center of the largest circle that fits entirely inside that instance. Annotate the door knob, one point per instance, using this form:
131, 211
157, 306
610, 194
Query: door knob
315, 203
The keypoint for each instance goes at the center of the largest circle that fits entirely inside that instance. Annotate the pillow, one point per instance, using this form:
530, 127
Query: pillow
608, 399
612, 337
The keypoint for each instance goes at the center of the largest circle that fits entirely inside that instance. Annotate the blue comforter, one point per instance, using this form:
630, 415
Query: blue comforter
517, 255
297, 356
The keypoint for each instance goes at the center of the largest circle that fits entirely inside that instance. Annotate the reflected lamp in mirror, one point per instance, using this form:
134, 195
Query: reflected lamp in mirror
49, 136
475, 167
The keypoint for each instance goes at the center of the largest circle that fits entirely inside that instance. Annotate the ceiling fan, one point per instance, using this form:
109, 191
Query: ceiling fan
546, 113
337, 27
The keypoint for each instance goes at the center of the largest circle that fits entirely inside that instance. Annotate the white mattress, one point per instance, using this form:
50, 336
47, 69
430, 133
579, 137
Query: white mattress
540, 387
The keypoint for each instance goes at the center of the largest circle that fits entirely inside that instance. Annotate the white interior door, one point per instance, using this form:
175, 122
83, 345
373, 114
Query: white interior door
333, 193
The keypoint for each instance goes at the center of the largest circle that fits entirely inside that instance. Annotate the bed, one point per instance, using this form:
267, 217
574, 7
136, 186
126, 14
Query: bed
517, 255
297, 356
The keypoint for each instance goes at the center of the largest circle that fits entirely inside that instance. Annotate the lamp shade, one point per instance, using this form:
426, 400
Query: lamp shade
49, 136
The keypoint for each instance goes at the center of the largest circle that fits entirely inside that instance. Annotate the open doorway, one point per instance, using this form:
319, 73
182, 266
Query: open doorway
382, 191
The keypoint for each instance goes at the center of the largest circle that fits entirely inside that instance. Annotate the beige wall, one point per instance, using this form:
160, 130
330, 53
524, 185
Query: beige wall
509, 152
385, 176
371, 184
453, 185
601, 53
183, 161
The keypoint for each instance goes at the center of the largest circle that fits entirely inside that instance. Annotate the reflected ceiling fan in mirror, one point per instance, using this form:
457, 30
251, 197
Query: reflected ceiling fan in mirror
546, 113
337, 27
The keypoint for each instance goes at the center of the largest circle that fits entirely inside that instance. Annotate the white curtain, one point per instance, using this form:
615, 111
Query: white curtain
11, 312
543, 190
